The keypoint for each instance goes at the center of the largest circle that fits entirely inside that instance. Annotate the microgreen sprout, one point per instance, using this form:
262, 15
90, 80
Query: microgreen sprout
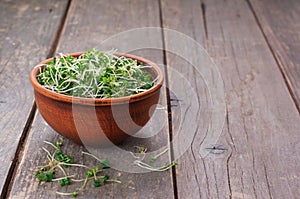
65, 181
104, 162
96, 74
139, 160
74, 194
59, 160
153, 158
151, 168
63, 178
141, 149
97, 183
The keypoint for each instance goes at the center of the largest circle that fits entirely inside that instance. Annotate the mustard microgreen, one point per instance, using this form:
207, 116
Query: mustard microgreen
141, 149
60, 161
62, 182
103, 162
153, 158
95, 74
144, 165
97, 183
139, 160
74, 194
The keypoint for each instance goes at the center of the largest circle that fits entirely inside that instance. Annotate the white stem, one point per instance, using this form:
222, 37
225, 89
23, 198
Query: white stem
50, 144
58, 179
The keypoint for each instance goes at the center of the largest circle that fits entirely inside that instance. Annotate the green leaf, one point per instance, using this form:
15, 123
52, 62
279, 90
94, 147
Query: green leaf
90, 173
152, 159
58, 152
105, 178
105, 163
74, 194
62, 182
49, 177
37, 173
97, 183
68, 159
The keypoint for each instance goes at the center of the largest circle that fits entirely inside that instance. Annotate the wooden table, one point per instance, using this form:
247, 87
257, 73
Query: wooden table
254, 43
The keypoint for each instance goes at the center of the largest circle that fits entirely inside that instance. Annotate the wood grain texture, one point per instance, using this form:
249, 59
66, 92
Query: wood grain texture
260, 141
196, 176
27, 29
89, 23
280, 23
27, 186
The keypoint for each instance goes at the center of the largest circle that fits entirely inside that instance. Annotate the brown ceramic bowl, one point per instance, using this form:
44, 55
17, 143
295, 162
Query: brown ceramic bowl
97, 122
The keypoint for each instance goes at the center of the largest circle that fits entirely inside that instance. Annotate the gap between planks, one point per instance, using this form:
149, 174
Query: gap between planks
169, 108
19, 153
32, 115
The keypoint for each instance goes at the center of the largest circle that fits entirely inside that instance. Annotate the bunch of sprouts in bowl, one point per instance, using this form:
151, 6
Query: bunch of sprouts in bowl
96, 74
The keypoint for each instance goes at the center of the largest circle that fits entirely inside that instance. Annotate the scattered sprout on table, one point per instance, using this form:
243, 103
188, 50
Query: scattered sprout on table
139, 160
60, 161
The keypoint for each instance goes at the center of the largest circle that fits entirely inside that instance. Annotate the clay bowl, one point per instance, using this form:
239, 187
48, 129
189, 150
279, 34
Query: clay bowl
97, 122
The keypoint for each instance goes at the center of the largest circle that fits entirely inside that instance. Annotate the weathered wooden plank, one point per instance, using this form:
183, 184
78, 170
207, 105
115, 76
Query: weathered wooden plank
259, 143
27, 29
27, 186
196, 177
280, 23
88, 24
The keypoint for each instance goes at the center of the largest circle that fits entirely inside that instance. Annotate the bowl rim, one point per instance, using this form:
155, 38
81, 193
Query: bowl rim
98, 101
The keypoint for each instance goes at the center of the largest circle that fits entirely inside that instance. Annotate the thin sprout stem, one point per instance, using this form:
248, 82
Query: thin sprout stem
48, 154
89, 178
62, 169
161, 153
65, 193
95, 175
142, 67
78, 180
49, 143
137, 157
91, 155
47, 165
146, 166
117, 181
58, 179
75, 165
52, 169
84, 184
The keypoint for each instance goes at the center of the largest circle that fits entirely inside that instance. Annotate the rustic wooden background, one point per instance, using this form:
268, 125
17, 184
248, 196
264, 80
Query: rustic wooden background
256, 46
